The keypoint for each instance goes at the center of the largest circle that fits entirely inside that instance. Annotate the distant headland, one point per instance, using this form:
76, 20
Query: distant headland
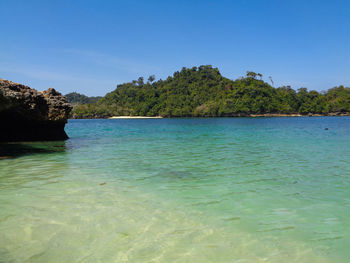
204, 92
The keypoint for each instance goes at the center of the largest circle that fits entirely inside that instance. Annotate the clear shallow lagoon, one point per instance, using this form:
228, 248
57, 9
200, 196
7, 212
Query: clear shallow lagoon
180, 190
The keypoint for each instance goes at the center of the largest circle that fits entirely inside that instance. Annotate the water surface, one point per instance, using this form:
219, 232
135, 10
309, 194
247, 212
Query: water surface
180, 190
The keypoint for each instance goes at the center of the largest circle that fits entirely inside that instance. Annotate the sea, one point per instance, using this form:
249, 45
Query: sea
180, 190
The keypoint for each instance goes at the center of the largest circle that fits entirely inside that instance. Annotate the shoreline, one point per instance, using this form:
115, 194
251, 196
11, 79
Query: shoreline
134, 117
299, 115
265, 115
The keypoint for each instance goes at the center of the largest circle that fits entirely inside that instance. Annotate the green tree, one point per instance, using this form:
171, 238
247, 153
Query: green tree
151, 78
202, 91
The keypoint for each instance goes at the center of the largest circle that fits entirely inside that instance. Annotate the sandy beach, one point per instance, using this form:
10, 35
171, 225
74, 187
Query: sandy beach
135, 117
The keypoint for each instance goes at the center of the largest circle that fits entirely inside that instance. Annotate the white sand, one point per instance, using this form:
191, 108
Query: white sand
135, 117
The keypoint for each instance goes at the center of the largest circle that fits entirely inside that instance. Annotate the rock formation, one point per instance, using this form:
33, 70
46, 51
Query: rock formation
30, 115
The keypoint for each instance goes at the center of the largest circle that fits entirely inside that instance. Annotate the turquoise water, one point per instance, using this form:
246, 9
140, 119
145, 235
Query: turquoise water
180, 190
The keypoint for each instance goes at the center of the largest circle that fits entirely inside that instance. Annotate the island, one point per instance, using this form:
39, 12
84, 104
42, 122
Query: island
203, 92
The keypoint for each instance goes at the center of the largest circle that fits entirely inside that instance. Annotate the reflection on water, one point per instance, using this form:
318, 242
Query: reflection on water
182, 190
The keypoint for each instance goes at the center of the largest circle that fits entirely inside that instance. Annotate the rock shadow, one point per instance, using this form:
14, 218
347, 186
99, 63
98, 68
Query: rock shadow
14, 150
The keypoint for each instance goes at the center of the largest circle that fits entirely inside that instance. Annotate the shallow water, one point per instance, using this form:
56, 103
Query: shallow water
180, 190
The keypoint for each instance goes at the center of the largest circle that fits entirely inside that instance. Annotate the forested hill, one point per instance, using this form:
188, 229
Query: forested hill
204, 92
77, 98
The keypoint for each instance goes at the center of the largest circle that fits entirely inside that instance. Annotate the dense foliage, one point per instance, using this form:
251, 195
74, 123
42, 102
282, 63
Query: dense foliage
204, 92
77, 98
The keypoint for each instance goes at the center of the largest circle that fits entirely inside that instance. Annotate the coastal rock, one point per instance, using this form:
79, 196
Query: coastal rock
30, 115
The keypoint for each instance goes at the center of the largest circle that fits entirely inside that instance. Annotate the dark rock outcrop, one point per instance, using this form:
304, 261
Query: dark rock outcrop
30, 115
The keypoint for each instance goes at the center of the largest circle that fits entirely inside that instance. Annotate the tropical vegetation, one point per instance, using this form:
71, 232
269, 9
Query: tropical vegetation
204, 92
77, 98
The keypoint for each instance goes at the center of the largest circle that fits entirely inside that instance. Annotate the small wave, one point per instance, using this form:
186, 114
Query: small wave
257, 180
327, 238
208, 202
277, 229
234, 218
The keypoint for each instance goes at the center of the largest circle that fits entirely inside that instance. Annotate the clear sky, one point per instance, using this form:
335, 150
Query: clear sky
91, 46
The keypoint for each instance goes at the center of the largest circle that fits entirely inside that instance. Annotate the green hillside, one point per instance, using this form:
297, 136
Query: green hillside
77, 98
204, 92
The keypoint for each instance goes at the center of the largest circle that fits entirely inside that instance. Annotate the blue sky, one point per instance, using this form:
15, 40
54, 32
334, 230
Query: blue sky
91, 46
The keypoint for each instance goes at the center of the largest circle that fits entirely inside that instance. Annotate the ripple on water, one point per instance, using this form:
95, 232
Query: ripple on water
203, 190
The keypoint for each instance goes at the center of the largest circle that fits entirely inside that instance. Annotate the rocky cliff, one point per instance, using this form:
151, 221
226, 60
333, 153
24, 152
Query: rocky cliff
30, 115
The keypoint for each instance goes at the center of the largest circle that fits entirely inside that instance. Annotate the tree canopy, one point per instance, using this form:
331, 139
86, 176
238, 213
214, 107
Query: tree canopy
204, 92
77, 98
